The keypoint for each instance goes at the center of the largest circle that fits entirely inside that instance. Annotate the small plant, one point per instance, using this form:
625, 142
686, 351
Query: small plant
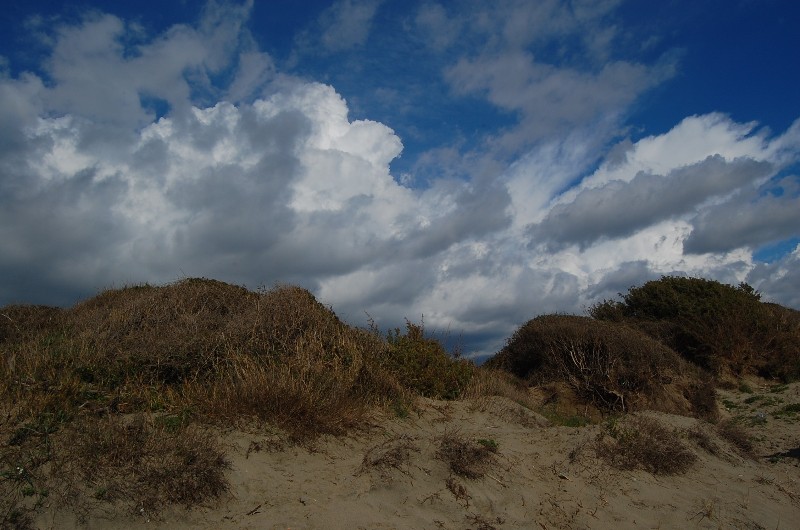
745, 388
730, 405
489, 444
394, 453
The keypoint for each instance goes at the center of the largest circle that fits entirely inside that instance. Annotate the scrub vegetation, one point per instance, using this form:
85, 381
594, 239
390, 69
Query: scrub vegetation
117, 402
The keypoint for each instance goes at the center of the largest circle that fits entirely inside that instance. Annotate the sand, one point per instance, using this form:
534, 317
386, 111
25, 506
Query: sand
390, 476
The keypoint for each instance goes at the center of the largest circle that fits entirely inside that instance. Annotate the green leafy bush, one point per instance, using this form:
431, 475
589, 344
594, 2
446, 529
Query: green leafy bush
423, 365
719, 327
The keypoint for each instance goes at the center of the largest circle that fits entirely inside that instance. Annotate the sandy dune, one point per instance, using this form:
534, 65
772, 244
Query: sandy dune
542, 476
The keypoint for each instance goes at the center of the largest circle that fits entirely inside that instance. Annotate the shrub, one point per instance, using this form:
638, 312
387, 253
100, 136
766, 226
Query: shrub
725, 329
610, 365
423, 365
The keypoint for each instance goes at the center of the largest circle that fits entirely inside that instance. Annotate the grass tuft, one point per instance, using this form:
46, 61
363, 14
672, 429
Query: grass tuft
641, 442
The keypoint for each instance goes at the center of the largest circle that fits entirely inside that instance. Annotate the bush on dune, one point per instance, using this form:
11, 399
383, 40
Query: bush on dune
611, 366
722, 328
423, 365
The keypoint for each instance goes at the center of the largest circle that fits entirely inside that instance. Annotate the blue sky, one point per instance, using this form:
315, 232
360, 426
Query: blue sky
475, 162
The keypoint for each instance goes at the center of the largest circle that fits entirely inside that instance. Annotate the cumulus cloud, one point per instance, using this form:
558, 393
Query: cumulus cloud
779, 281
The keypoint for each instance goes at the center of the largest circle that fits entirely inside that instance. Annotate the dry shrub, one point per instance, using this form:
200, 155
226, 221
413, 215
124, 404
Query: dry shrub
641, 442
422, 364
609, 365
145, 463
458, 490
466, 458
488, 382
394, 453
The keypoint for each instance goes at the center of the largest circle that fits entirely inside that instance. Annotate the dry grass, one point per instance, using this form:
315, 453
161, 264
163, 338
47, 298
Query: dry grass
466, 458
177, 358
146, 463
394, 453
641, 442
737, 436
493, 382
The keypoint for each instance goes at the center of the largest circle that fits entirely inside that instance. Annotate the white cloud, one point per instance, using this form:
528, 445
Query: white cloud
347, 24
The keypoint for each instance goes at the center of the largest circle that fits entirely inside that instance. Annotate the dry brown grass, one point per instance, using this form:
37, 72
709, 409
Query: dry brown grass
146, 463
394, 453
642, 442
177, 358
466, 458
737, 436
493, 382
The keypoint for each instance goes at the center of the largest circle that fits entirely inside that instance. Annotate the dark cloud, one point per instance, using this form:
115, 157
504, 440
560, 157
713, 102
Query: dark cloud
751, 219
779, 281
618, 281
619, 209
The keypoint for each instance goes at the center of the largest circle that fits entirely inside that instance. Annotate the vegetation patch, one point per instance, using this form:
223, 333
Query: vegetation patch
180, 359
466, 458
394, 453
787, 411
641, 442
722, 328
611, 366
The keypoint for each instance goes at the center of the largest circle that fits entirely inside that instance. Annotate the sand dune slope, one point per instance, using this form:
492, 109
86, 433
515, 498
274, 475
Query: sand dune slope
513, 469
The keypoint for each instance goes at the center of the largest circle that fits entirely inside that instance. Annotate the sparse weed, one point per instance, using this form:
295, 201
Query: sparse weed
466, 458
489, 444
641, 442
788, 411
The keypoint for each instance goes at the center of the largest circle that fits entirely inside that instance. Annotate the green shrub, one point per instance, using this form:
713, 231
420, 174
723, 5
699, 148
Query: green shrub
423, 365
725, 329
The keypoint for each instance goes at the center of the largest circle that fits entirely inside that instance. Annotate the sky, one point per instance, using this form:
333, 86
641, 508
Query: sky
471, 164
